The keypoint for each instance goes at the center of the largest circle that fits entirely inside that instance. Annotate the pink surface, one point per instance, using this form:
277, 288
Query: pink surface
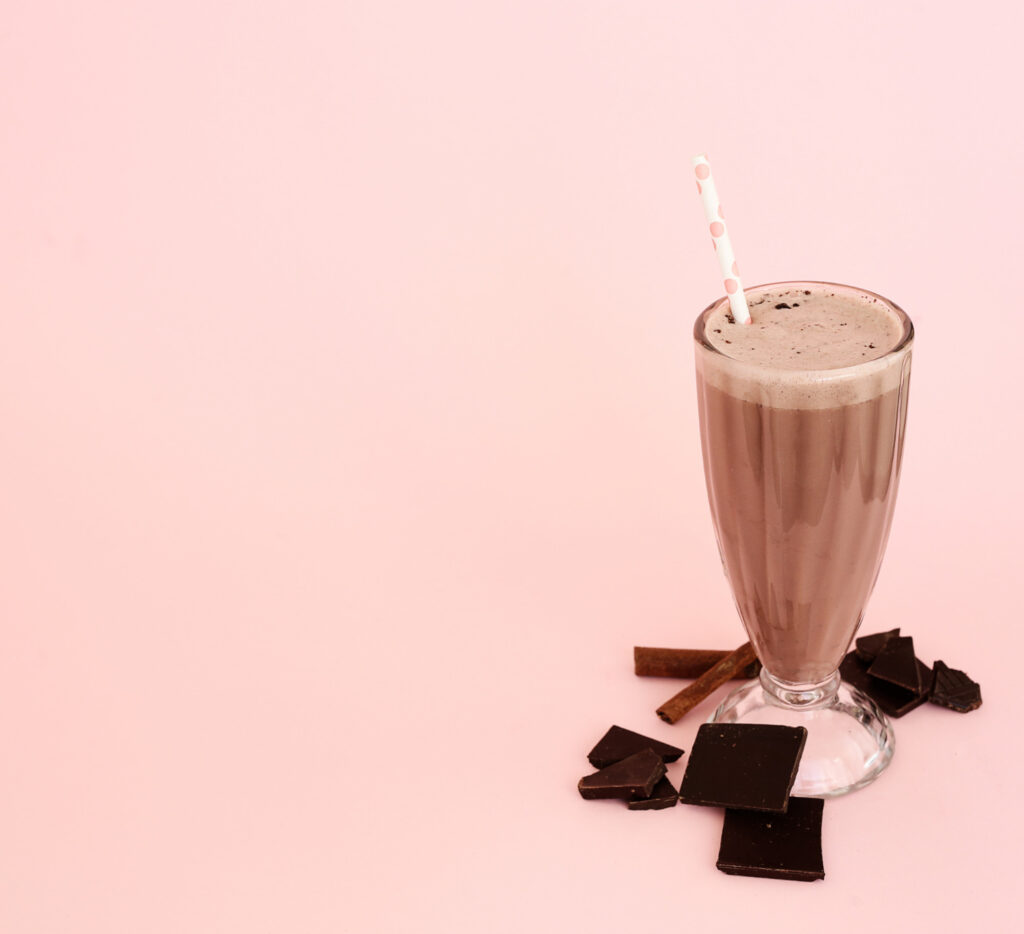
350, 445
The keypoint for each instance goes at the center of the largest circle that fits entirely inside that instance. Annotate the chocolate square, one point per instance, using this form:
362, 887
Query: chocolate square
897, 664
618, 743
634, 776
893, 701
869, 646
743, 765
774, 846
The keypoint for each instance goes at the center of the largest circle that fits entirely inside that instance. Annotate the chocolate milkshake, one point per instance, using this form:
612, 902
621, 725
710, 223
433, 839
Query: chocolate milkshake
802, 415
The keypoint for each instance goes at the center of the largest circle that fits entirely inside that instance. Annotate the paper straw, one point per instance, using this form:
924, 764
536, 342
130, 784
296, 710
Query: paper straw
720, 239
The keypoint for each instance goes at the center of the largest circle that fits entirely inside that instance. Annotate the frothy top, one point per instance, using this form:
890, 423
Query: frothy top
807, 329
807, 345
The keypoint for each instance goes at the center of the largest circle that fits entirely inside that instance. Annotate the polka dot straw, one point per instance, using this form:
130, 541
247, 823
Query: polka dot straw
720, 239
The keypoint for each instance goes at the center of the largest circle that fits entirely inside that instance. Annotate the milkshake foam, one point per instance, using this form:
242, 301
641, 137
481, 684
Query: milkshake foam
816, 346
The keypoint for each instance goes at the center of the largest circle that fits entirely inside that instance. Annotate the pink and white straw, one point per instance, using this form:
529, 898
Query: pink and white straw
720, 239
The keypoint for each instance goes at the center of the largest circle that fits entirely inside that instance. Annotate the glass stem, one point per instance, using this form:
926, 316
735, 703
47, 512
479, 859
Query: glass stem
803, 695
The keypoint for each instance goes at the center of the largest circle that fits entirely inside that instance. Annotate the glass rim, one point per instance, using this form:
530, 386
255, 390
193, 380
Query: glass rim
699, 326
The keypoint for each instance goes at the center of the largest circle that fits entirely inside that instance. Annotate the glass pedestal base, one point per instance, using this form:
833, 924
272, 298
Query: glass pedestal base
849, 740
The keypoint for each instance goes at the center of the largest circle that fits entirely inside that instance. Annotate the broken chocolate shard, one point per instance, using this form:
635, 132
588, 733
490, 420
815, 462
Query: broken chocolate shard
897, 664
781, 305
774, 846
619, 743
635, 776
868, 647
893, 701
955, 690
663, 796
743, 765
927, 676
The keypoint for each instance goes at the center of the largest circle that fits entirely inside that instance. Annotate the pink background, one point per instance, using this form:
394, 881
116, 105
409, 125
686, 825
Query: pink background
350, 445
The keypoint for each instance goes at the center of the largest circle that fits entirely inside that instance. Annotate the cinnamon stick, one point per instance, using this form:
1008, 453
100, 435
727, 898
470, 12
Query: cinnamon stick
690, 696
682, 663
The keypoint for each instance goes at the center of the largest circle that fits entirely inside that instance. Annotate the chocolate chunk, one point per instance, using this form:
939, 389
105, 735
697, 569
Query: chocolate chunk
635, 776
618, 743
927, 676
743, 765
868, 647
897, 664
781, 305
894, 701
774, 846
955, 690
663, 796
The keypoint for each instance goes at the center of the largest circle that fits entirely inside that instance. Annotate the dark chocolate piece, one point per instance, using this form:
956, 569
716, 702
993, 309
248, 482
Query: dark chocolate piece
893, 701
618, 743
663, 796
897, 664
774, 846
632, 777
712, 679
743, 765
683, 663
955, 690
868, 647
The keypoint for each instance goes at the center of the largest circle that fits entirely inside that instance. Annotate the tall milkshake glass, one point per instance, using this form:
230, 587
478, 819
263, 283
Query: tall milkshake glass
802, 417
